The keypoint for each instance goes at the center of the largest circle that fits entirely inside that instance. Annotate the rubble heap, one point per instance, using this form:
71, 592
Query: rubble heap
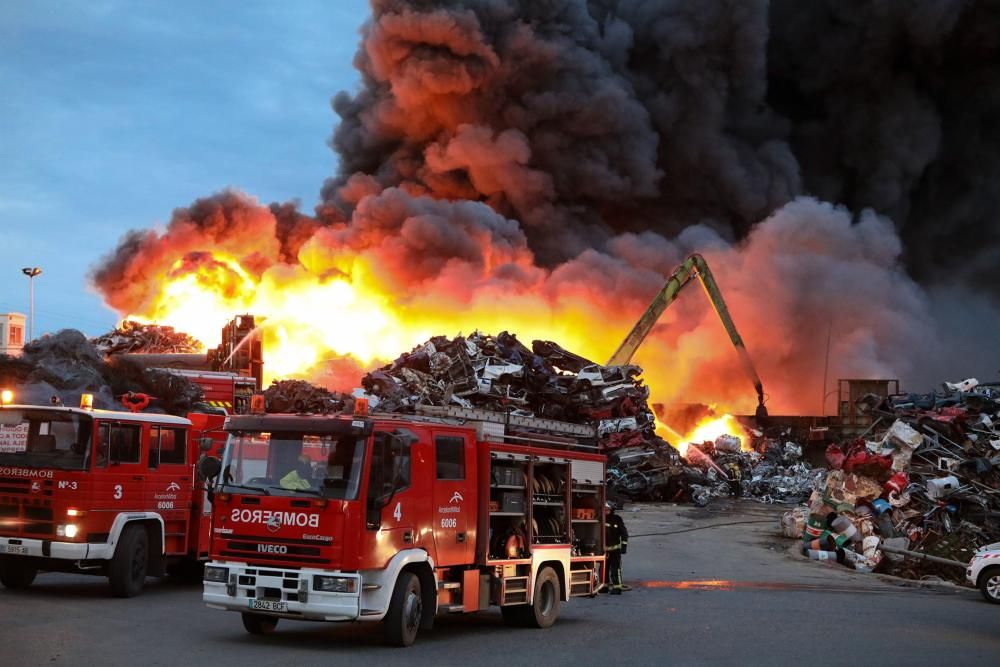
501, 373
301, 396
929, 483
924, 479
774, 473
146, 338
59, 367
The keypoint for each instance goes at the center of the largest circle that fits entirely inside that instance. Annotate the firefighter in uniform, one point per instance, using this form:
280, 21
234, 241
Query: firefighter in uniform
616, 541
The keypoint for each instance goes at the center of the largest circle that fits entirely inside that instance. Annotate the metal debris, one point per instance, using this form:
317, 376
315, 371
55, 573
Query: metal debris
132, 337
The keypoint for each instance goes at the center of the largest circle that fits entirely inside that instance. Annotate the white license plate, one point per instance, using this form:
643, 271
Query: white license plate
13, 549
268, 605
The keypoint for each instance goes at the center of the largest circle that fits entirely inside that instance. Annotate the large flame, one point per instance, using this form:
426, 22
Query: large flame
706, 430
309, 319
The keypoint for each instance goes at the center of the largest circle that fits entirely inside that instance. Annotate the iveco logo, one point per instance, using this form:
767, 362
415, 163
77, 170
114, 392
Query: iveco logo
273, 523
272, 549
456, 497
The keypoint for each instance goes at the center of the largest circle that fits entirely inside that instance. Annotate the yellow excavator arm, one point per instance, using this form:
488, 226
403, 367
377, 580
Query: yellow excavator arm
692, 267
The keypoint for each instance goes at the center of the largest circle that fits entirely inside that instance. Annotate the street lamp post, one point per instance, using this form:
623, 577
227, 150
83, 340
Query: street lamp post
31, 272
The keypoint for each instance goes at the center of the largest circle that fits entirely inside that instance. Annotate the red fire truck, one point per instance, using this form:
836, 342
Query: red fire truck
395, 518
101, 492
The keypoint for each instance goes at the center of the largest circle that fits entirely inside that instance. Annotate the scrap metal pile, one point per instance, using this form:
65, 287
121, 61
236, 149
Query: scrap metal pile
928, 483
774, 472
500, 373
303, 397
134, 337
57, 368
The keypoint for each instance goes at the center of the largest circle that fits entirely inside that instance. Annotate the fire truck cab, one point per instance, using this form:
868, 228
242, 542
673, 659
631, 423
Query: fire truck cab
101, 492
397, 518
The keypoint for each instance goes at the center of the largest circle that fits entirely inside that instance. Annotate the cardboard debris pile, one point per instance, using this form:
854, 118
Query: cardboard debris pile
134, 337
500, 373
927, 482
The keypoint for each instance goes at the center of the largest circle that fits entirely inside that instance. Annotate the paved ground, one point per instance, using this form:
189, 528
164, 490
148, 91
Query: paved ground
726, 595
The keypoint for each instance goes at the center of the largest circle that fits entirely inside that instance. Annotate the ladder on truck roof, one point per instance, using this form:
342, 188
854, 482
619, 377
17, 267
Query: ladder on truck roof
506, 425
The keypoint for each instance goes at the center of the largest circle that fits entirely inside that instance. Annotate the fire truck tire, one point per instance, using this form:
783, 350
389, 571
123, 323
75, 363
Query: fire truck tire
15, 575
402, 622
127, 572
544, 609
257, 624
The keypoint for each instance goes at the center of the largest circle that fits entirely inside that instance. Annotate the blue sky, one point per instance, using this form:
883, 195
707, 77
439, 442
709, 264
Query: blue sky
114, 113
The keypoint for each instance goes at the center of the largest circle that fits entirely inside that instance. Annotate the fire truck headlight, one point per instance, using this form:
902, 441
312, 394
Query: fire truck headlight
218, 575
334, 584
66, 530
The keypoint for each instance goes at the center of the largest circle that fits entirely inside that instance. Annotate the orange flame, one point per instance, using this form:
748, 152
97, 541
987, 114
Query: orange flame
308, 319
707, 430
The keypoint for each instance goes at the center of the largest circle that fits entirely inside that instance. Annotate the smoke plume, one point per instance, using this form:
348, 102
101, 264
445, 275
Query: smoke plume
550, 162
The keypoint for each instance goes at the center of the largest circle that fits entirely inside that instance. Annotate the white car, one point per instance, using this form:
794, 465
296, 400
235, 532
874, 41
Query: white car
490, 371
599, 376
984, 571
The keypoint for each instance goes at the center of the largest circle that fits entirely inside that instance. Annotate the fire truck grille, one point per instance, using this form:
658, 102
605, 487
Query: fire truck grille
273, 550
20, 518
26, 487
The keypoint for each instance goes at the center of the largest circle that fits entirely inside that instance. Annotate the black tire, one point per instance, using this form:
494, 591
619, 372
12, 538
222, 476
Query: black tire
258, 624
16, 574
402, 622
127, 571
989, 584
544, 608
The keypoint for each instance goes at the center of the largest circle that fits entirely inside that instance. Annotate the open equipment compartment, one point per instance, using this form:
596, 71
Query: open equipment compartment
508, 505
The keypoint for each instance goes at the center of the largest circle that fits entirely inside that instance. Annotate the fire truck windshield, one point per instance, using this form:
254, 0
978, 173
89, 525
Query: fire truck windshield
44, 439
288, 462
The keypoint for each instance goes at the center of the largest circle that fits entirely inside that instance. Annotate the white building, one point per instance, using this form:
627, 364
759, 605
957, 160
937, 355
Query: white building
11, 333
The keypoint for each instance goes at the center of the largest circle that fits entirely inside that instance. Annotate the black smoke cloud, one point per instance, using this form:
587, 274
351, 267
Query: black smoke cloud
822, 154
587, 119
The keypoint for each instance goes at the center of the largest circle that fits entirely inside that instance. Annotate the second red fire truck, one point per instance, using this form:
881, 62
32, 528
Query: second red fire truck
396, 518
100, 492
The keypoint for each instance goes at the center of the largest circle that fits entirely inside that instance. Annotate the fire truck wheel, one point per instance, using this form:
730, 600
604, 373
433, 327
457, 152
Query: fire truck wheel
257, 624
127, 572
15, 574
403, 620
544, 609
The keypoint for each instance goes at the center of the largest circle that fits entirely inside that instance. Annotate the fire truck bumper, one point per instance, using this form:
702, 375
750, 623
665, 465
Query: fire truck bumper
286, 593
19, 546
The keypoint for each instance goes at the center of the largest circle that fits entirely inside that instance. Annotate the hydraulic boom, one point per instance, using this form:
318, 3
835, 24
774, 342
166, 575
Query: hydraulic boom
692, 267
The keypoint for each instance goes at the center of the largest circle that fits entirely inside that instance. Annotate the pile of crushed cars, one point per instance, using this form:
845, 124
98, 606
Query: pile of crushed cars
927, 482
502, 374
302, 397
134, 337
772, 472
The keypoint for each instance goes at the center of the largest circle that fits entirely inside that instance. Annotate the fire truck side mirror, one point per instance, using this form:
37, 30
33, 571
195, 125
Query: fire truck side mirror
205, 444
209, 467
